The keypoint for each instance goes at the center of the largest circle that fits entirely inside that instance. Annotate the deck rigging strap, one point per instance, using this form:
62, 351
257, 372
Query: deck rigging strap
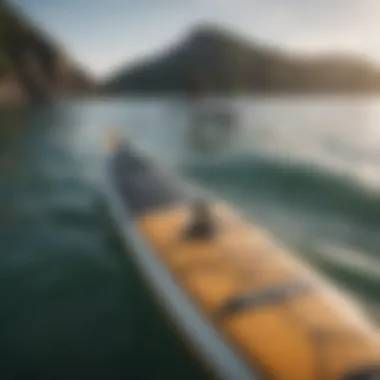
266, 297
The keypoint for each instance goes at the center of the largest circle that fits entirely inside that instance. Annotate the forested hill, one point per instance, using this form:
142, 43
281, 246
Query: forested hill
32, 67
212, 59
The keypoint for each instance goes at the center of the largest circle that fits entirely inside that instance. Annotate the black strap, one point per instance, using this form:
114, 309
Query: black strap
275, 295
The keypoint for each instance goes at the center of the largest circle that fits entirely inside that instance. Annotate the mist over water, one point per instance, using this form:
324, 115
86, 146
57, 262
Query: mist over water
307, 170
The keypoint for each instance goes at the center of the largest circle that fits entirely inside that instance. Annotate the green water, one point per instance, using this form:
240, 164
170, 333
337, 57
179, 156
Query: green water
73, 307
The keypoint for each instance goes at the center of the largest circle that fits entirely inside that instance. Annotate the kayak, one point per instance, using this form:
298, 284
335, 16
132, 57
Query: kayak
249, 308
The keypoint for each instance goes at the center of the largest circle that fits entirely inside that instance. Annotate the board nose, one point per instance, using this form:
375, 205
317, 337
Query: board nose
140, 183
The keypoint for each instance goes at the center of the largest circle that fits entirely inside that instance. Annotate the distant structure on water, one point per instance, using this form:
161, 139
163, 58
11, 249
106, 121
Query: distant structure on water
212, 121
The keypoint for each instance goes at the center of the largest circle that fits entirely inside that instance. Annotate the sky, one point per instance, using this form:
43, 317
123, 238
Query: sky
103, 35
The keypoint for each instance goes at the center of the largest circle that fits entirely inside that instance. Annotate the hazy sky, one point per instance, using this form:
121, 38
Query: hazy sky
102, 34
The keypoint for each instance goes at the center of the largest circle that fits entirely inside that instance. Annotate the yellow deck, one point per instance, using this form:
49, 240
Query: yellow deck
311, 336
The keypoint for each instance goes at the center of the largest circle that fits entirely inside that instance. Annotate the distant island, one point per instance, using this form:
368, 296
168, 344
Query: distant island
33, 68
213, 60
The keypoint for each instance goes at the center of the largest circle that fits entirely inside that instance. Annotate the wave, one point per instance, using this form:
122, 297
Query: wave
302, 185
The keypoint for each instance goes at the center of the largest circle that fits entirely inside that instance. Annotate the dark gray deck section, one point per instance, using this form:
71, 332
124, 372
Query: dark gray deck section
142, 186
371, 373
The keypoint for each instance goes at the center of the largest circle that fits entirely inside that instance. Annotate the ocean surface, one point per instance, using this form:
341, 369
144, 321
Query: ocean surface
73, 307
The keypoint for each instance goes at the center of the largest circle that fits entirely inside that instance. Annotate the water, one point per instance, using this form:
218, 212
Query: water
307, 170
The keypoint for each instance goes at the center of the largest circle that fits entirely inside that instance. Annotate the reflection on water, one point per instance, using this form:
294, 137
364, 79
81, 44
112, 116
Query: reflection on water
307, 170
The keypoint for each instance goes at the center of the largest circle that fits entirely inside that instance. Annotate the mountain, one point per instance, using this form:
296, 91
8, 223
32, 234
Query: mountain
211, 59
32, 67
